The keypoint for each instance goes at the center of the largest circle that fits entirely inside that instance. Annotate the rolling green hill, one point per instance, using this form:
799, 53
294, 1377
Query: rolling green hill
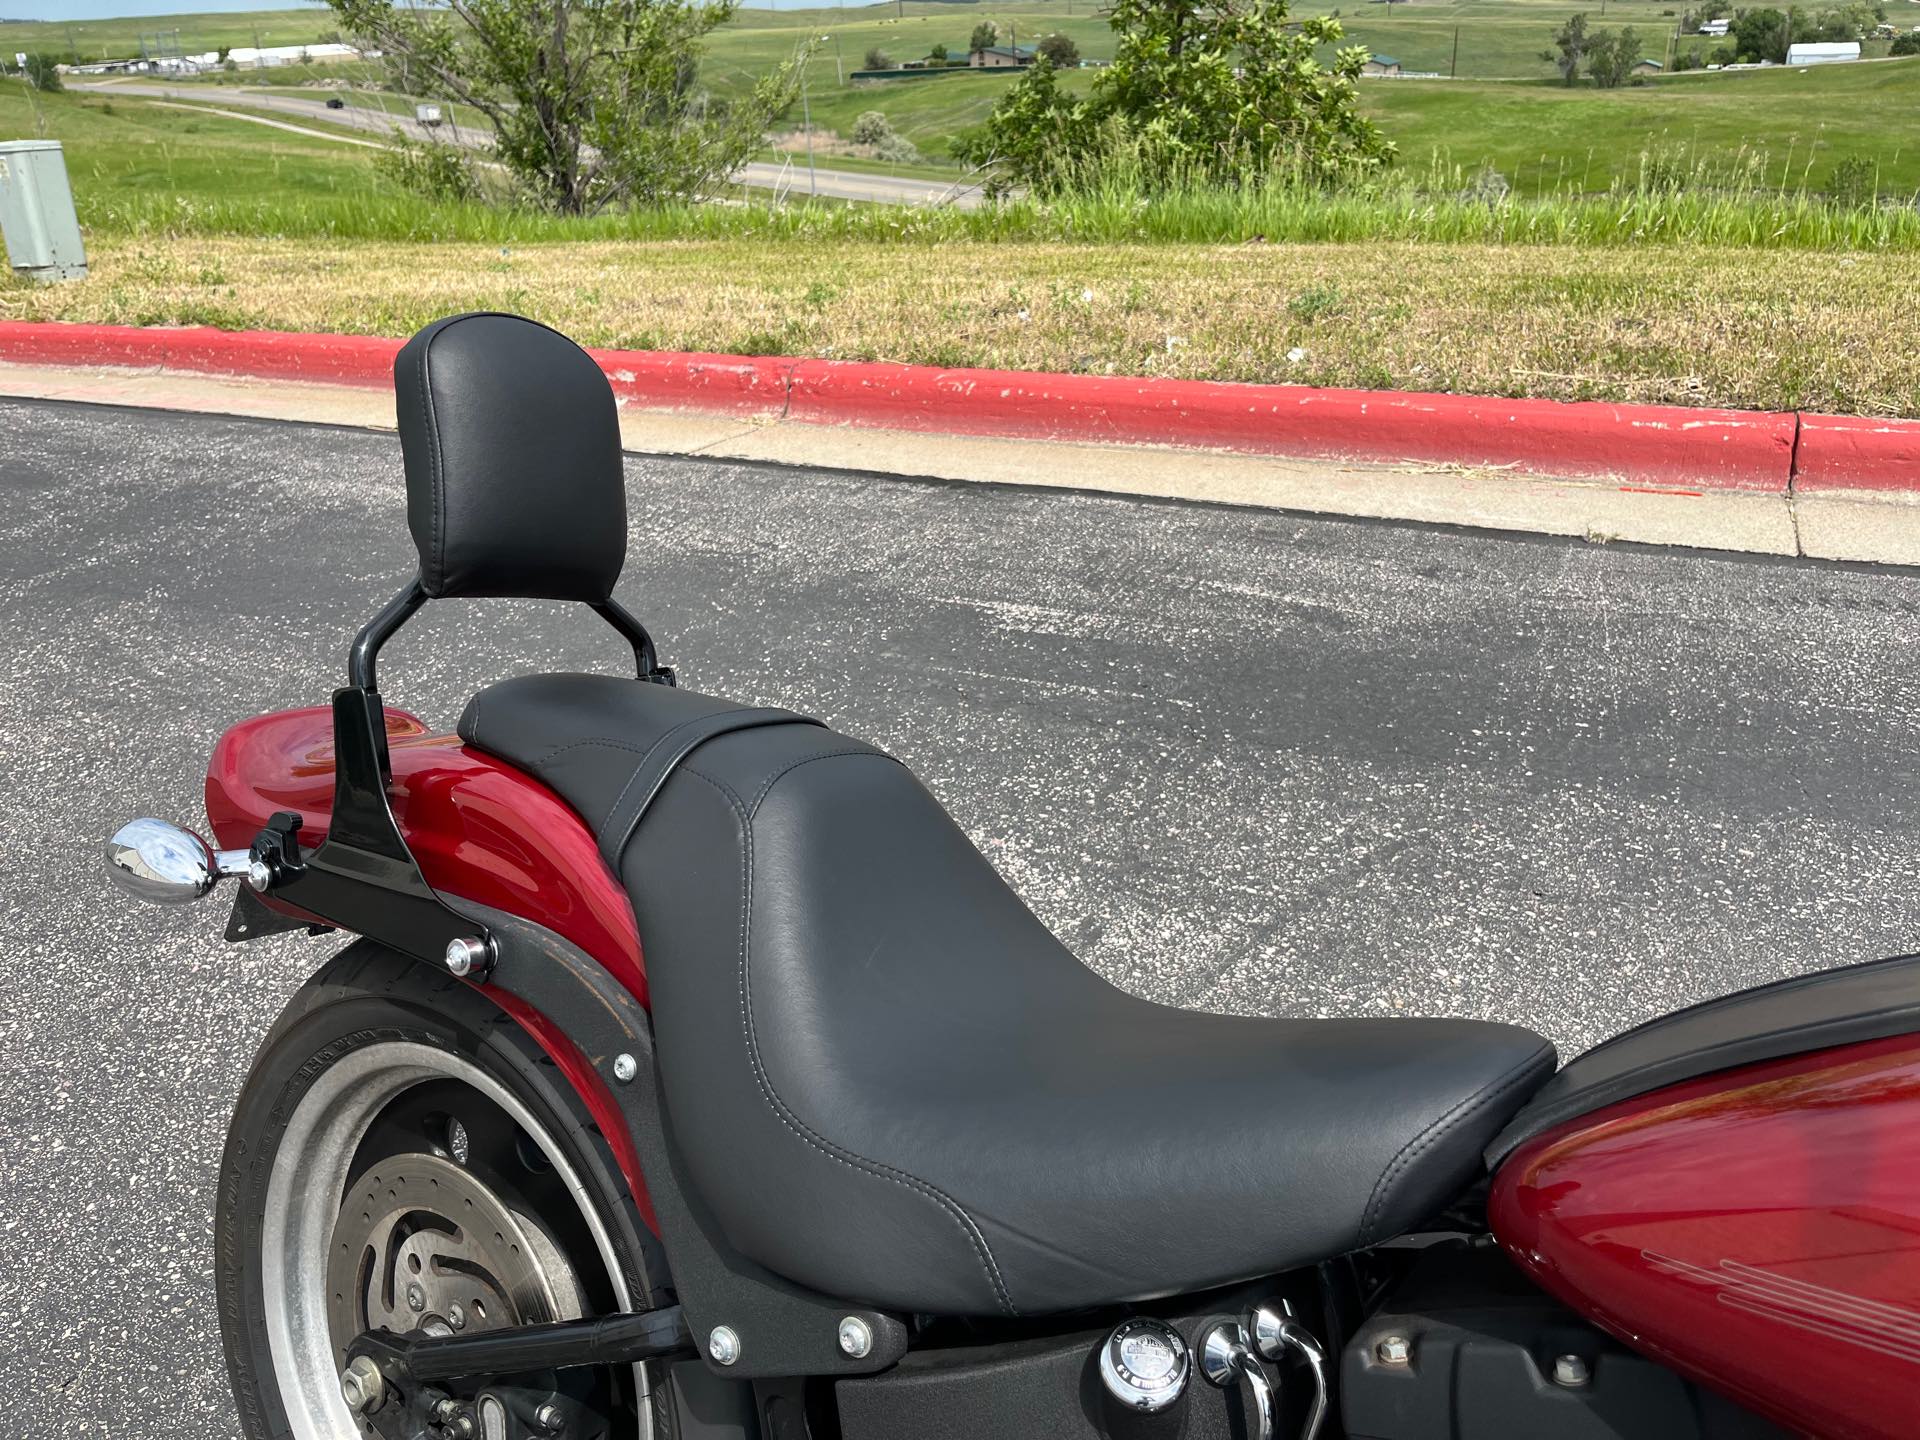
114, 39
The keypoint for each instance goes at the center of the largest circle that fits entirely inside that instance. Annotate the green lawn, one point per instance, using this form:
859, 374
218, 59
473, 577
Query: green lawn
121, 148
1546, 138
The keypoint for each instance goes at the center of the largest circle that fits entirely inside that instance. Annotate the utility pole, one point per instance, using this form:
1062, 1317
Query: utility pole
1453, 68
806, 120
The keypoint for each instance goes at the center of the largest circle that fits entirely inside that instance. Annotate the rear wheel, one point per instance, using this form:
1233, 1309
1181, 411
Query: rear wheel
404, 1157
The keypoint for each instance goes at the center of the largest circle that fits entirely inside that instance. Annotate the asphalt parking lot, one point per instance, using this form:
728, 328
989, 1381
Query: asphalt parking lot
1239, 760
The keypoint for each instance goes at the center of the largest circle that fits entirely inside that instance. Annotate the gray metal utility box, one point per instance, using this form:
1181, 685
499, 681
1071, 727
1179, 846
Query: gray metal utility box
36, 211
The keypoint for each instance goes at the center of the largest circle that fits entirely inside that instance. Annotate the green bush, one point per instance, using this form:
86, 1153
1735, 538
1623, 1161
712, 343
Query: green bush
43, 72
433, 172
1232, 96
1905, 44
878, 59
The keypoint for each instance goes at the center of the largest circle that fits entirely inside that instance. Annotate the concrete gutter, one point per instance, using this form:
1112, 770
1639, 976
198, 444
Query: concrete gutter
1784, 483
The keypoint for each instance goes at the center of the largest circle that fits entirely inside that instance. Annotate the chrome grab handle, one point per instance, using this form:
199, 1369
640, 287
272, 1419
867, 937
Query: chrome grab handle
1226, 1357
1275, 1335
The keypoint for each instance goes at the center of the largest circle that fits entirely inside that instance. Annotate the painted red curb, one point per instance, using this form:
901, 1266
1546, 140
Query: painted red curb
1667, 448
1644, 444
665, 379
1853, 452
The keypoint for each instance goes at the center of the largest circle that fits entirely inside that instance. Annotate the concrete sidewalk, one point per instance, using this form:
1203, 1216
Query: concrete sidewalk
1881, 527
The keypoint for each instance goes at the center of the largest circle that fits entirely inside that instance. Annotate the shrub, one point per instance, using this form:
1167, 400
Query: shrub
43, 72
433, 172
1854, 182
1905, 44
1252, 103
875, 131
878, 59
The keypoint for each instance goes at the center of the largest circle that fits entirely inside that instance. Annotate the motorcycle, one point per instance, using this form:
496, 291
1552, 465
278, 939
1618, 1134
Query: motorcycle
692, 1075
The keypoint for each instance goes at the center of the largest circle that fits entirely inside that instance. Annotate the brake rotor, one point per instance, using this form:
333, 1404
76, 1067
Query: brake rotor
423, 1244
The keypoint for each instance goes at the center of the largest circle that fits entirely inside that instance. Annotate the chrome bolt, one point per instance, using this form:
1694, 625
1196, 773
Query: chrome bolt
1394, 1350
259, 876
625, 1067
456, 1317
856, 1338
445, 1410
416, 1297
362, 1386
1571, 1372
465, 956
723, 1345
548, 1417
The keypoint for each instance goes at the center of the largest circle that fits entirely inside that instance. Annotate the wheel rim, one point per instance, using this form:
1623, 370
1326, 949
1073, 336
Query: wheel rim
471, 1243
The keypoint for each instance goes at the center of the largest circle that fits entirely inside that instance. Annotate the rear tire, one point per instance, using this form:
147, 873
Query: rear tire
380, 1062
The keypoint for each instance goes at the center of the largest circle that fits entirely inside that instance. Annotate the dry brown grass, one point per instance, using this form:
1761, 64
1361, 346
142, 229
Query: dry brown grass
1765, 329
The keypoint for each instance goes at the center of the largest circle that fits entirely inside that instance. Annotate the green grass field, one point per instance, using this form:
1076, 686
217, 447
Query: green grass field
118, 38
1505, 111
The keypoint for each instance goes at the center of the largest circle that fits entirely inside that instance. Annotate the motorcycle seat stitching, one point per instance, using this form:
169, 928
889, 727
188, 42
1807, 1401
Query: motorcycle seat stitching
1437, 1130
764, 1081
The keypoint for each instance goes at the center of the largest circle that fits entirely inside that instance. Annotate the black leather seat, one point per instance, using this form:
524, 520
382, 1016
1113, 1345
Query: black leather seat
893, 1085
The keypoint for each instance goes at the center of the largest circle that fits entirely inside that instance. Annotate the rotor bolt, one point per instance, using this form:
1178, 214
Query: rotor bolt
1394, 1350
362, 1386
457, 1317
723, 1345
856, 1338
1570, 1372
416, 1297
625, 1067
469, 957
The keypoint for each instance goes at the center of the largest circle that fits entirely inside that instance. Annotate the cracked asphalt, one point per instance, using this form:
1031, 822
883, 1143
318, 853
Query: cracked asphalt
1238, 759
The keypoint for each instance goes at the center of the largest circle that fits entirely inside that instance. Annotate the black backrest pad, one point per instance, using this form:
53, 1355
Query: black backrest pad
512, 446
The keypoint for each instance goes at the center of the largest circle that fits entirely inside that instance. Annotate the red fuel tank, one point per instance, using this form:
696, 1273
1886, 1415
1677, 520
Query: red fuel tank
1757, 1229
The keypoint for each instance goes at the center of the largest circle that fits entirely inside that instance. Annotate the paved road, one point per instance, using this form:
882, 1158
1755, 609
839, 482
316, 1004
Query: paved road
791, 178
1240, 760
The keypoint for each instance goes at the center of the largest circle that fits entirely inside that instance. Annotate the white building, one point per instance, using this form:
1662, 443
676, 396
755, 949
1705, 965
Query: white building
1827, 52
248, 57
1715, 27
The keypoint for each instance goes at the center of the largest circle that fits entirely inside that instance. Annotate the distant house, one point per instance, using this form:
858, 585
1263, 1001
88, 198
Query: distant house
1648, 67
1716, 27
998, 57
1380, 65
1826, 52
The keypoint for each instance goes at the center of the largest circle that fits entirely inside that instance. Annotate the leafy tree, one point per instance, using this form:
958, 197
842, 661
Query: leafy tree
986, 35
1060, 51
1219, 90
592, 102
1569, 48
938, 52
43, 72
878, 59
1907, 43
1761, 35
1611, 56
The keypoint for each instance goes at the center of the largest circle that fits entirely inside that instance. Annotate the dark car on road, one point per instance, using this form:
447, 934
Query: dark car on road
334, 102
